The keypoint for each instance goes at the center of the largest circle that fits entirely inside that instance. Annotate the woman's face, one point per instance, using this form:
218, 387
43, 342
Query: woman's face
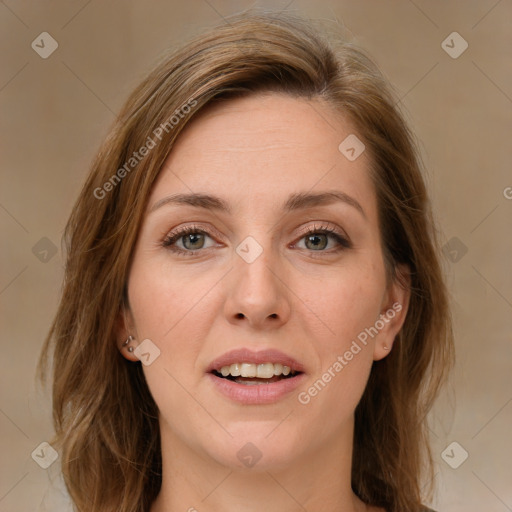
273, 261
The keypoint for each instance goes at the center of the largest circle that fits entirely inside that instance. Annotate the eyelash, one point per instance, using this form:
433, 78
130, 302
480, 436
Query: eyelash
324, 230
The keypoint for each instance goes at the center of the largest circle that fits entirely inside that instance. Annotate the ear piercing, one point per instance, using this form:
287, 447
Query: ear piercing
385, 347
130, 338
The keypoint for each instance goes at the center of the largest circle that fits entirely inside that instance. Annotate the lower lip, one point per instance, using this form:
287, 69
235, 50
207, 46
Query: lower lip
257, 393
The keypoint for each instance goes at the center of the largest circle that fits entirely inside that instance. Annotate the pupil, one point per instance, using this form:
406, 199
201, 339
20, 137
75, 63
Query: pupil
193, 238
313, 237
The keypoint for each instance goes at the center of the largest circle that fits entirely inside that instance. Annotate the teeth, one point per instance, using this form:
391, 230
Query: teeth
235, 370
248, 370
261, 371
265, 371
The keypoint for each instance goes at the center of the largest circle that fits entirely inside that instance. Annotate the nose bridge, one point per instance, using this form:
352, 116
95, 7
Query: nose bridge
257, 292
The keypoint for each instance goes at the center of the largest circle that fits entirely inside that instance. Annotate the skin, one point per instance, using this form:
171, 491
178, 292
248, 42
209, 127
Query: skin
308, 301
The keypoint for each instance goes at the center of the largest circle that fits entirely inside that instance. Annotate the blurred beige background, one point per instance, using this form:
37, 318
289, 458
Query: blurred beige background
56, 110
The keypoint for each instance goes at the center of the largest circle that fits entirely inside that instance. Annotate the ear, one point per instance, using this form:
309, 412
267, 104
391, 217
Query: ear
394, 307
126, 338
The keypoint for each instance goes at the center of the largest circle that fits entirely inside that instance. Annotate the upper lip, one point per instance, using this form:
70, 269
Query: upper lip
245, 355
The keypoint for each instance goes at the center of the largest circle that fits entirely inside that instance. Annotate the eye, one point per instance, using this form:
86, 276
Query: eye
192, 238
317, 239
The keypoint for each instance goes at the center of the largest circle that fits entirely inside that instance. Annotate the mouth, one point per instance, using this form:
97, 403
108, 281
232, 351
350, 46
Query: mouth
251, 378
250, 374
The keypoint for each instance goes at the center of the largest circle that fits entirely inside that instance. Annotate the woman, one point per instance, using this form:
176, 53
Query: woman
253, 315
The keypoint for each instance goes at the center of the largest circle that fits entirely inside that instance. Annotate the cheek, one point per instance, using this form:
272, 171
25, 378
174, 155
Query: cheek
347, 304
174, 309
336, 387
166, 307
344, 304
164, 298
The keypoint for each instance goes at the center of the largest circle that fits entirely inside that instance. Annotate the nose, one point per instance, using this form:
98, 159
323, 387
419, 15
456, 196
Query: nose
257, 293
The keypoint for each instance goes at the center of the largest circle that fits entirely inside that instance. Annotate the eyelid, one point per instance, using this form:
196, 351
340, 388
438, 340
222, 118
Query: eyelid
184, 229
324, 225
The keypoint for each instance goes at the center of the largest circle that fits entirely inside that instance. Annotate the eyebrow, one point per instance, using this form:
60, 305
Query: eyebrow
297, 201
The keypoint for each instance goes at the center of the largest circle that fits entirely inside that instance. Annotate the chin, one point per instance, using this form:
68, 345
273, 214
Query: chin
255, 450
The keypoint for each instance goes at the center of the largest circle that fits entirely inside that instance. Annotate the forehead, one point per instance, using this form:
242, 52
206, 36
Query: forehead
264, 145
265, 121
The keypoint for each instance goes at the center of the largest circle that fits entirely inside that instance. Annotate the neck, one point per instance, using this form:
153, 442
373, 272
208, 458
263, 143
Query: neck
316, 480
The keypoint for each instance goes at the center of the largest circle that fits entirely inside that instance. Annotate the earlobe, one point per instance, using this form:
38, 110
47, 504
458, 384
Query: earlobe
127, 349
126, 343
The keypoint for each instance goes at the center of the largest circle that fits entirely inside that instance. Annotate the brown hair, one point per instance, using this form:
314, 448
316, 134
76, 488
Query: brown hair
105, 418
